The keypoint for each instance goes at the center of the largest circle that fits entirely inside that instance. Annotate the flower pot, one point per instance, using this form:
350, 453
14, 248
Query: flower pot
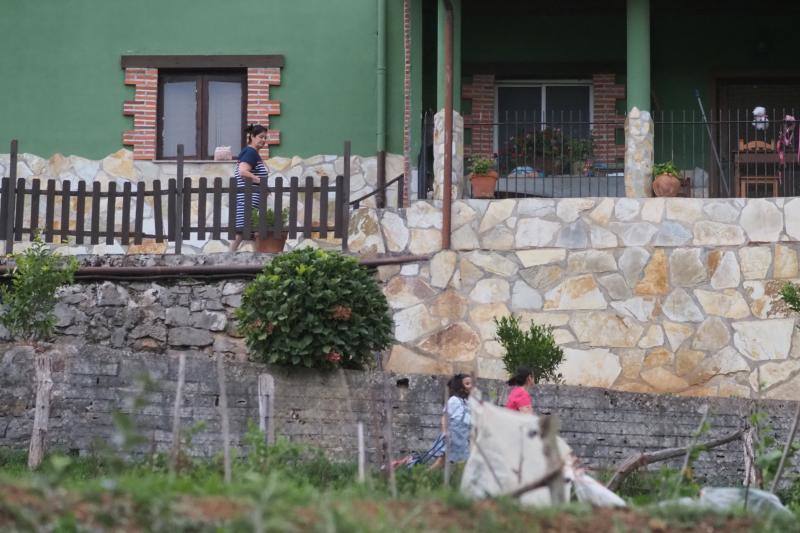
483, 184
666, 185
271, 244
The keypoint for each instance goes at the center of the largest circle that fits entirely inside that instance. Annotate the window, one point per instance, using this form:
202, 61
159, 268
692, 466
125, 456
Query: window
201, 110
523, 107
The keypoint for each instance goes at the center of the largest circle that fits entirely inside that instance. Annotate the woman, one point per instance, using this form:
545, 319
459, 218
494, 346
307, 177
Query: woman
249, 168
458, 425
518, 398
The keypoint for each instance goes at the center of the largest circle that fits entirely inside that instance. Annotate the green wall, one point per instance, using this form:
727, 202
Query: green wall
62, 86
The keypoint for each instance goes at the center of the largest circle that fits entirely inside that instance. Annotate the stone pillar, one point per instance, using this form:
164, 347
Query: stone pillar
639, 123
438, 155
638, 154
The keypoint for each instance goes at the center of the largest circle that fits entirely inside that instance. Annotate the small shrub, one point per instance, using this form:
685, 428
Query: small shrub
29, 300
666, 168
790, 294
535, 348
481, 165
270, 217
315, 309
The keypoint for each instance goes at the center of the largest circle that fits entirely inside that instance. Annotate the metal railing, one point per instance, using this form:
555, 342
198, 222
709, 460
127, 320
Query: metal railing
733, 153
565, 155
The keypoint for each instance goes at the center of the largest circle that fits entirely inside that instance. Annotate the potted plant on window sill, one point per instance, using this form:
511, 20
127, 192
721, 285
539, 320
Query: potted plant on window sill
272, 243
667, 181
483, 179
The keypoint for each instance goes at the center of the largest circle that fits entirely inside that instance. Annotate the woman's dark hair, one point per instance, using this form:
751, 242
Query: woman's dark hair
456, 386
520, 377
254, 130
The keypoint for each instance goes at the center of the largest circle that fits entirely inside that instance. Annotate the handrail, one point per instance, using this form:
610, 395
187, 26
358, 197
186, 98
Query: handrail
399, 179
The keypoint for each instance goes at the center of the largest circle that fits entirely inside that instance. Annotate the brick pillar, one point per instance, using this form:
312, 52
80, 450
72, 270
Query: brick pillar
481, 93
143, 110
259, 105
606, 93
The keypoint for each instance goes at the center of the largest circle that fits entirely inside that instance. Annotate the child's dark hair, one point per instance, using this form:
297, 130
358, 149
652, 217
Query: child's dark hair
520, 377
254, 130
456, 386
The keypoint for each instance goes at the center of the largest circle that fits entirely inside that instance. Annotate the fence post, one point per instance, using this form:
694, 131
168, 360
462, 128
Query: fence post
346, 200
11, 198
266, 406
179, 202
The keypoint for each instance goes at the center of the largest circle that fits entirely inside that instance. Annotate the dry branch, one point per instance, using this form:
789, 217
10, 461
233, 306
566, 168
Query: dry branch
786, 450
634, 462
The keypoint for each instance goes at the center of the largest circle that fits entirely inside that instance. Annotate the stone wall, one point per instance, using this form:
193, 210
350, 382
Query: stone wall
648, 295
91, 383
120, 167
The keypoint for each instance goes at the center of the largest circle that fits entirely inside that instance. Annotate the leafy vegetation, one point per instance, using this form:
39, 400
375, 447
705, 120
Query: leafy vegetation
270, 217
29, 301
666, 168
480, 166
535, 349
315, 309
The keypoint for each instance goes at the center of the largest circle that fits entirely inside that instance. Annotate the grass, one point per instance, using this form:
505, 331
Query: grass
292, 488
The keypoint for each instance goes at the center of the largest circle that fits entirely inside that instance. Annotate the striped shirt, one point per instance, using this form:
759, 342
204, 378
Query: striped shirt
250, 156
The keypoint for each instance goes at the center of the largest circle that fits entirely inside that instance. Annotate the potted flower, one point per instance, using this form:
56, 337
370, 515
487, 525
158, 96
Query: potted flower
271, 243
667, 180
483, 178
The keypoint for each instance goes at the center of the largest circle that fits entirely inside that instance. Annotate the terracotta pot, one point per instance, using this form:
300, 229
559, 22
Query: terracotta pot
666, 185
483, 185
271, 245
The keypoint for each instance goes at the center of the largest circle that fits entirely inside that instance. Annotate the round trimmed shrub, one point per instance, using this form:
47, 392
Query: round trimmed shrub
315, 309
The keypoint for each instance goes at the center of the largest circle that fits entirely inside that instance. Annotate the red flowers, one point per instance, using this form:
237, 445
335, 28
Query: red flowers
334, 357
340, 312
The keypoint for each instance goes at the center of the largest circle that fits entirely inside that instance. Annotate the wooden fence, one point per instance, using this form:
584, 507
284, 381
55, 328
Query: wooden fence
176, 223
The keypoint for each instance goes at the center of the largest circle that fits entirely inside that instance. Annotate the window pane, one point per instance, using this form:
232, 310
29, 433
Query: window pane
568, 109
225, 116
180, 118
518, 113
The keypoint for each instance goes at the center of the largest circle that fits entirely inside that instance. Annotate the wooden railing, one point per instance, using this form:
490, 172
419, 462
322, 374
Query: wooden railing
28, 208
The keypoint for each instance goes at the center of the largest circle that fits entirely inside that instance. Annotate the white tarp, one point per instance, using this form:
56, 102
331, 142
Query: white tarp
506, 454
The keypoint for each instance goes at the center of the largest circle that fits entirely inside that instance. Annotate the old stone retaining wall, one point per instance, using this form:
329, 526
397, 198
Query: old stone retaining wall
93, 382
647, 295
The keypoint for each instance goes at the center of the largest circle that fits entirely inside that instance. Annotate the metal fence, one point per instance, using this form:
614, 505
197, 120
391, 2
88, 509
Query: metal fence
729, 154
181, 209
733, 153
564, 155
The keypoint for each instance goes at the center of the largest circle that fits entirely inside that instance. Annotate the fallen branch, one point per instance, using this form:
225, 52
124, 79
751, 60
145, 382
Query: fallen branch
634, 462
786, 450
543, 481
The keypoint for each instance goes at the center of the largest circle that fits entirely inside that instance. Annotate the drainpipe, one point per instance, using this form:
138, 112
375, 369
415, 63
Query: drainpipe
448, 124
381, 89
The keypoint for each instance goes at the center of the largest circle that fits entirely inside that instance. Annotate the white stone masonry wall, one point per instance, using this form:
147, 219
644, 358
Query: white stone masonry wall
667, 295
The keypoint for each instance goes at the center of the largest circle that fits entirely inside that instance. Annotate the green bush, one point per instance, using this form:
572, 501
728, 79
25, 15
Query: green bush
535, 349
315, 309
29, 300
481, 165
666, 168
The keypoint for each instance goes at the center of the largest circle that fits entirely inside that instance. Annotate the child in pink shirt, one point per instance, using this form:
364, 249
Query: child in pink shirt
518, 398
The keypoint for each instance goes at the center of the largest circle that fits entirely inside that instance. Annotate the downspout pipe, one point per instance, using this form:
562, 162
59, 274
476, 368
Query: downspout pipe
447, 200
380, 73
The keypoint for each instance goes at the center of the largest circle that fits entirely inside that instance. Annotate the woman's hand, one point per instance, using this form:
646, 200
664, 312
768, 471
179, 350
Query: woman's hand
245, 172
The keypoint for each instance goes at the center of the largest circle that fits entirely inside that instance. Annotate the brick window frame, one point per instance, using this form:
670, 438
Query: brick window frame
263, 73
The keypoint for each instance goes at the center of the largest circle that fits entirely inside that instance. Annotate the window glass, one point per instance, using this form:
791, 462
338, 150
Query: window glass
518, 113
567, 107
224, 115
179, 121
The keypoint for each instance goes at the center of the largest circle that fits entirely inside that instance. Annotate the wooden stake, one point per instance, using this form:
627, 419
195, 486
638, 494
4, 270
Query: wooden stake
361, 454
387, 435
223, 409
176, 413
266, 407
446, 431
691, 446
41, 416
786, 449
549, 430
